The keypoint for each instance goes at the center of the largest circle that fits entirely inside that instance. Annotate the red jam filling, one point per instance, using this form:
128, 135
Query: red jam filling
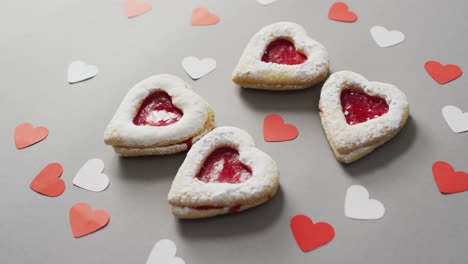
359, 107
157, 110
283, 51
232, 209
224, 166
189, 143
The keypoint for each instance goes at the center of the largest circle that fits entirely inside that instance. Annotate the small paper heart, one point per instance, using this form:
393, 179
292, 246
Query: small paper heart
266, 2
339, 11
84, 221
455, 118
133, 8
26, 135
442, 73
197, 68
308, 235
203, 17
48, 181
447, 179
275, 130
79, 71
90, 176
164, 251
359, 206
386, 38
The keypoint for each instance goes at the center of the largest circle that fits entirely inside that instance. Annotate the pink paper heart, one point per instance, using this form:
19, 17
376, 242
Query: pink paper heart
134, 8
203, 17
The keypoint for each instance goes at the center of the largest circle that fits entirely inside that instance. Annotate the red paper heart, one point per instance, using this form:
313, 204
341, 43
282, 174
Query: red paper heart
203, 17
442, 73
339, 11
133, 8
447, 179
283, 51
310, 236
275, 130
26, 135
48, 181
84, 221
157, 110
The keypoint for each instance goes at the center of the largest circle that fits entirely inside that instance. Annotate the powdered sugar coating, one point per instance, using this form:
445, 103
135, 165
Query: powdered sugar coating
346, 138
194, 107
251, 65
188, 191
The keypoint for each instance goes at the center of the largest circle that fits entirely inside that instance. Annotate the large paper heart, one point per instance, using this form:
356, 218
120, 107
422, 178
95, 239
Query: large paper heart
223, 173
442, 73
447, 179
359, 206
197, 68
79, 71
455, 118
159, 115
275, 130
48, 181
164, 252
203, 17
133, 8
84, 221
371, 114
90, 176
308, 235
26, 135
281, 56
386, 38
339, 11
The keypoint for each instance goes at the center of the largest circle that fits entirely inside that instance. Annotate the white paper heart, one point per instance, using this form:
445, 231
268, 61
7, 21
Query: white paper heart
90, 176
386, 38
197, 68
359, 206
266, 2
79, 71
164, 252
455, 118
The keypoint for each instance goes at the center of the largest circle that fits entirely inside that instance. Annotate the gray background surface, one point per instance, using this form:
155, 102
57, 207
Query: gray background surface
40, 38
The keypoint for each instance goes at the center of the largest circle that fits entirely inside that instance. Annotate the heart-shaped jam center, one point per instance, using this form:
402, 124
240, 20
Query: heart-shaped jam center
157, 110
359, 107
283, 51
224, 166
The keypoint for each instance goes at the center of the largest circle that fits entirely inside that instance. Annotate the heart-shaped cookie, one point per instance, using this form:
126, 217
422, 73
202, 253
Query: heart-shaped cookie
281, 57
359, 206
358, 115
160, 115
84, 221
275, 130
90, 176
223, 173
310, 235
48, 181
27, 135
448, 180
